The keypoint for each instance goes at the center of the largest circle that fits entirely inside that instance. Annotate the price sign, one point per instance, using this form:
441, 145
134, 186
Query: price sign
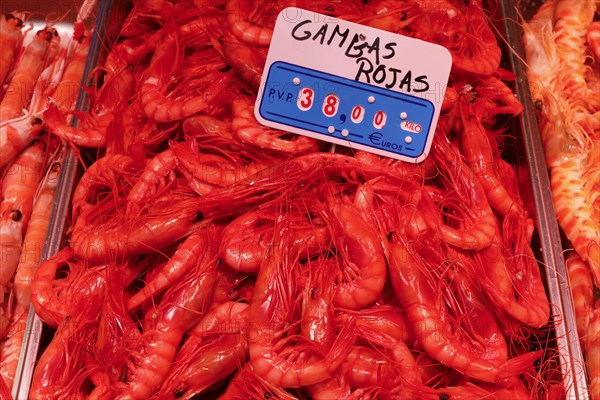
353, 85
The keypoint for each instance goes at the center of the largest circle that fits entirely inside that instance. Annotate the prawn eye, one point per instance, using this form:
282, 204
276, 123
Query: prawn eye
390, 236
36, 121
268, 395
539, 104
596, 293
178, 393
444, 396
329, 8
199, 216
16, 215
225, 69
9, 16
313, 293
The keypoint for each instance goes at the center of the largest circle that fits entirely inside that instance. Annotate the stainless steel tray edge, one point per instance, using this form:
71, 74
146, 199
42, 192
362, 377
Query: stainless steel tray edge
60, 207
571, 356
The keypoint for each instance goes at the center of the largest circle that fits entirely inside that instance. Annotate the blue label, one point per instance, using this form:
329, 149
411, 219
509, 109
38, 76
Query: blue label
332, 106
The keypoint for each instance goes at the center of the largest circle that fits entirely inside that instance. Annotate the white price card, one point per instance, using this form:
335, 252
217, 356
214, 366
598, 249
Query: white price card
353, 85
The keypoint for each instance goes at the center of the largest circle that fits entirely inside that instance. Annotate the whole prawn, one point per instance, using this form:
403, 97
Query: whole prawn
18, 190
464, 31
10, 40
59, 372
102, 174
100, 238
479, 40
475, 236
215, 348
582, 291
285, 176
155, 102
245, 252
183, 261
249, 131
418, 298
182, 307
159, 229
157, 176
271, 307
245, 20
363, 269
478, 153
318, 322
55, 297
110, 99
213, 169
31, 64
37, 227
117, 334
247, 61
66, 92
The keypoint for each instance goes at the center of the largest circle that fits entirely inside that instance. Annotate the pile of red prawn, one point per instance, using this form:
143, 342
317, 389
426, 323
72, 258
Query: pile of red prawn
562, 50
210, 255
38, 67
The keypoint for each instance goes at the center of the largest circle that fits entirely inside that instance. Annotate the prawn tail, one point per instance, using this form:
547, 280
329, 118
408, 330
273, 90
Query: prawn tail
53, 115
518, 365
91, 136
342, 346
